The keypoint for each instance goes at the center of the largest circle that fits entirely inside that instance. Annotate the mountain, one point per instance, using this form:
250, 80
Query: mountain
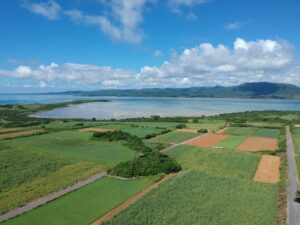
246, 90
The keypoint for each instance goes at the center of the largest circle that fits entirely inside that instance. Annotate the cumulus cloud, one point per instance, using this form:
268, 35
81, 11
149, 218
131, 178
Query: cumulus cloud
205, 64
49, 9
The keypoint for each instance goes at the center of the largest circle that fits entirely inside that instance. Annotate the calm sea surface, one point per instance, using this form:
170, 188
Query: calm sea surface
137, 107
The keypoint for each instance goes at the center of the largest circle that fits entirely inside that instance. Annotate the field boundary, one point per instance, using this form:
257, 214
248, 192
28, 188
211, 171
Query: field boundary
182, 143
48, 198
130, 201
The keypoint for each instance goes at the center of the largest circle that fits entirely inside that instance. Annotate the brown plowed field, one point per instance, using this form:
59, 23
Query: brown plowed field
268, 170
255, 144
130, 201
208, 140
94, 129
188, 130
20, 134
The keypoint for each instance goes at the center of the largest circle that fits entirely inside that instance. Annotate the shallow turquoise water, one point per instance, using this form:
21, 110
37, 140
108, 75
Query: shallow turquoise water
137, 107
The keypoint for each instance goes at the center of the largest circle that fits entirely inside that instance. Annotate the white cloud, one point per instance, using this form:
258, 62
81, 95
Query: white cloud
123, 23
42, 84
158, 53
234, 26
205, 64
177, 5
191, 17
49, 9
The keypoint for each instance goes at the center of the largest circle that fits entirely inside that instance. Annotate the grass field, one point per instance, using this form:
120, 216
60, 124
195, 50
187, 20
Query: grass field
231, 142
253, 131
85, 205
141, 132
174, 137
77, 145
296, 133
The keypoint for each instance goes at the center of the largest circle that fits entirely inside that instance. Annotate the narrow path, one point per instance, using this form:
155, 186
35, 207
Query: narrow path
182, 143
43, 200
293, 182
130, 201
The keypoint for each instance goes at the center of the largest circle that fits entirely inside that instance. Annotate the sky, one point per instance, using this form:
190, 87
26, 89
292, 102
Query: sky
59, 45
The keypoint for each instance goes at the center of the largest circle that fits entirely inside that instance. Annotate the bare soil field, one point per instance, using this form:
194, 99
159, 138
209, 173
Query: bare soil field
255, 144
188, 130
268, 170
94, 129
20, 134
130, 201
208, 140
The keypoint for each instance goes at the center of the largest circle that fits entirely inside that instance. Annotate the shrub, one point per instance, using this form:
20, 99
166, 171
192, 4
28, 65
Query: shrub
181, 126
146, 165
128, 140
202, 131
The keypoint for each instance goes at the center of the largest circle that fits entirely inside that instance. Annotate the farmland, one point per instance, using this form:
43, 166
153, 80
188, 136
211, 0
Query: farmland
69, 151
174, 137
217, 186
90, 203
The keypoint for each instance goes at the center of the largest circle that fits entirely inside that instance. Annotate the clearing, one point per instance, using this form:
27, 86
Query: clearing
188, 130
268, 170
255, 144
208, 140
18, 134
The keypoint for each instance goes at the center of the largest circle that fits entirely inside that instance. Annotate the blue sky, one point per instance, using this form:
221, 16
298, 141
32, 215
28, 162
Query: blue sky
52, 45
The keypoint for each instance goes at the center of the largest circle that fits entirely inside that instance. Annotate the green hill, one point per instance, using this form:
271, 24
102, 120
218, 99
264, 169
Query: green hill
246, 90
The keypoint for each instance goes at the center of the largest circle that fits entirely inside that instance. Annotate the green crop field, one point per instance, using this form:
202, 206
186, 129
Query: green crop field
77, 145
215, 186
174, 137
199, 198
142, 132
253, 131
231, 142
85, 205
297, 139
241, 131
215, 161
28, 174
207, 124
271, 133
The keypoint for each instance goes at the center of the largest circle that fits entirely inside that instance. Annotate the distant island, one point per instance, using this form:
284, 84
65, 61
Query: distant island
258, 90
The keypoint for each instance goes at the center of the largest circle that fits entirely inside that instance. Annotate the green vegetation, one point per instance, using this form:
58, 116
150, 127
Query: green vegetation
142, 132
174, 137
27, 174
264, 132
85, 205
231, 142
253, 131
78, 145
147, 163
246, 90
218, 162
217, 186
